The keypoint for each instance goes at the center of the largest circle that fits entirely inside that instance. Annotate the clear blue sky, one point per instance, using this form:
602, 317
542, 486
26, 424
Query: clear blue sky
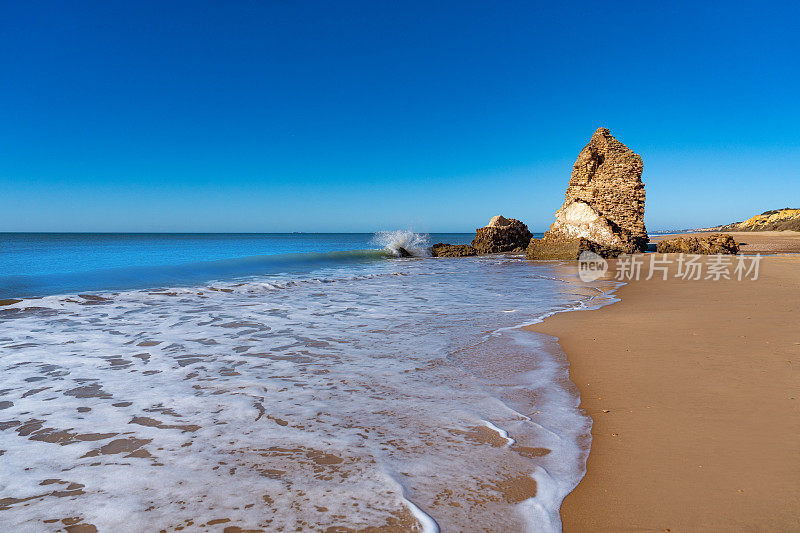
358, 116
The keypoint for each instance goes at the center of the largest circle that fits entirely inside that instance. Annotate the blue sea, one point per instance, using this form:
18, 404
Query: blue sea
282, 381
40, 264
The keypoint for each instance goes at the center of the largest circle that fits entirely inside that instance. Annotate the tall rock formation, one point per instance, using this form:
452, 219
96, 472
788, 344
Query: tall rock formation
603, 209
501, 235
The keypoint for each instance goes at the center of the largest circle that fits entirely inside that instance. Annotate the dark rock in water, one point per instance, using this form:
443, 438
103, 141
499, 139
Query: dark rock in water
452, 250
567, 249
403, 252
501, 235
604, 204
716, 243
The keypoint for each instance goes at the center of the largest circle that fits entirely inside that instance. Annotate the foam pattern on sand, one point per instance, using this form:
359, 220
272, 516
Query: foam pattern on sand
351, 397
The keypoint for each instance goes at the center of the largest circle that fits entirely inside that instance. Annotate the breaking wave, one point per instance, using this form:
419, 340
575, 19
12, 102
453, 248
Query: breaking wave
273, 408
416, 244
185, 274
139, 277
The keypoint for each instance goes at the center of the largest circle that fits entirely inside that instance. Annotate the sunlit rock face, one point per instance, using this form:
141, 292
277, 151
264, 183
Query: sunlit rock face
603, 206
716, 243
578, 219
498, 221
502, 235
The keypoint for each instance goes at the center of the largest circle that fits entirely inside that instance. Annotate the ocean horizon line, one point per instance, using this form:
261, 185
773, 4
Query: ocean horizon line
217, 232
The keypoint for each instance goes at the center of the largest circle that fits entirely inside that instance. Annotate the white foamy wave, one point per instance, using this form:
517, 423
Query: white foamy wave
416, 244
287, 400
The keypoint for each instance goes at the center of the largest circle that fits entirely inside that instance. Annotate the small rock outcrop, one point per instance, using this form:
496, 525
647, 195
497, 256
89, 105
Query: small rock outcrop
452, 250
716, 243
603, 207
502, 235
570, 249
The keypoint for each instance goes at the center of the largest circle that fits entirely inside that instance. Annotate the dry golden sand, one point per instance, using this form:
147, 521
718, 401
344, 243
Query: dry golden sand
694, 391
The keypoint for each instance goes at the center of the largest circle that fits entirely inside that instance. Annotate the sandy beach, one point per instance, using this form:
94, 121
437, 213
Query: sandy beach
695, 396
285, 266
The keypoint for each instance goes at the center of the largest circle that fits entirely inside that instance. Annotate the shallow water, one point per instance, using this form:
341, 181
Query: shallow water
394, 393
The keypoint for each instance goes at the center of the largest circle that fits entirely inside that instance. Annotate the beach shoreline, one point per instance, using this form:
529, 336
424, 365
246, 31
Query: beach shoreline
692, 390
309, 386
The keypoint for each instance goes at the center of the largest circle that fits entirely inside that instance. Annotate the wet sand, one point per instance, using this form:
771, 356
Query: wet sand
694, 390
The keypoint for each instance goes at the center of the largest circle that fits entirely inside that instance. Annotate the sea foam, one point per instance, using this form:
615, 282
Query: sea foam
345, 396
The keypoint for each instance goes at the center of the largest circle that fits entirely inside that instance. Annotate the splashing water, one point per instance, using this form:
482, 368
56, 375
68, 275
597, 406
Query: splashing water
416, 244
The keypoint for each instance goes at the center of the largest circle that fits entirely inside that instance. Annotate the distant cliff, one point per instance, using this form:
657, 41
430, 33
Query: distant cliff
775, 220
